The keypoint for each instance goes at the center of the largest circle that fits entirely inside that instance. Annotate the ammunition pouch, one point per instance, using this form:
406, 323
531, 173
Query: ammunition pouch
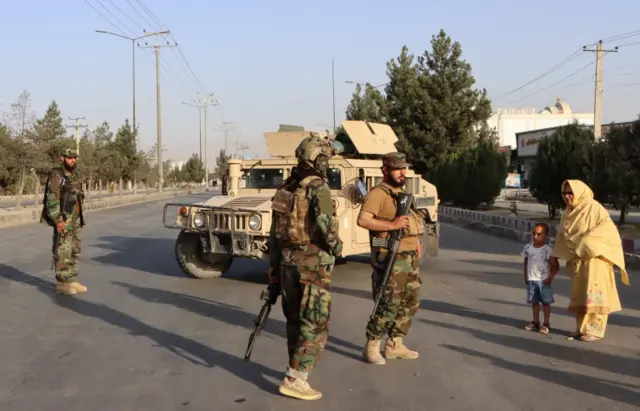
294, 227
416, 226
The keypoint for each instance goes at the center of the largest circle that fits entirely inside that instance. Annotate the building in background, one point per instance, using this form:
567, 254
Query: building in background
507, 122
173, 164
528, 142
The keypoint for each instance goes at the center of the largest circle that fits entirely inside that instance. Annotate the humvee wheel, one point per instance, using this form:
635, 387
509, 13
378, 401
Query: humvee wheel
190, 261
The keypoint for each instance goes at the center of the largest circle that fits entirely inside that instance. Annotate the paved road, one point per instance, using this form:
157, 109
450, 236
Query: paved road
147, 338
633, 217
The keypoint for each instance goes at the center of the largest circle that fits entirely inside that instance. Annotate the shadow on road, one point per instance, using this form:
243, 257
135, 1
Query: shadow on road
186, 348
584, 383
441, 307
612, 390
227, 314
614, 319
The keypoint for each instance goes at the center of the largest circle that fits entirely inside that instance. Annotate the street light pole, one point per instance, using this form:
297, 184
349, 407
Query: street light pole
133, 58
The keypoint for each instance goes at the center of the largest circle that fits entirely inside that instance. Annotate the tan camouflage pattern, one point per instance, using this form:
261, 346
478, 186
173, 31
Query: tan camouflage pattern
415, 227
291, 210
312, 147
401, 299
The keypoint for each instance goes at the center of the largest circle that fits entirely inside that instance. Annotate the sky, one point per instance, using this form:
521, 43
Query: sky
270, 62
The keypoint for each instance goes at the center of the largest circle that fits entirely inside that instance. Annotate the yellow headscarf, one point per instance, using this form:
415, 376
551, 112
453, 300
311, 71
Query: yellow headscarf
587, 231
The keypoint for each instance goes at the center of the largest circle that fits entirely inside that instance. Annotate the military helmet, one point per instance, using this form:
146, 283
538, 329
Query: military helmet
312, 147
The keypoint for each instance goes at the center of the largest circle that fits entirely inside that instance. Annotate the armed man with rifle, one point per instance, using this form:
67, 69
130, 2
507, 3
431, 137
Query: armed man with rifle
303, 245
395, 229
62, 210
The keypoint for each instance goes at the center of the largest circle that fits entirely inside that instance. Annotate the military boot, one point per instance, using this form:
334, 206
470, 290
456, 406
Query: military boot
371, 352
65, 288
299, 388
395, 348
78, 287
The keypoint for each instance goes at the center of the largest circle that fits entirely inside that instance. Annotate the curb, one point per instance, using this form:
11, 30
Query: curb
31, 215
517, 229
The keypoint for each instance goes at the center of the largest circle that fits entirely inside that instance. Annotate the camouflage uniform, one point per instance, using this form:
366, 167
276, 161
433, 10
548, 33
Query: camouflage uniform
401, 300
66, 245
304, 271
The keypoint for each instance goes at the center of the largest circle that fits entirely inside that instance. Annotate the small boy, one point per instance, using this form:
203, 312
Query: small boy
539, 270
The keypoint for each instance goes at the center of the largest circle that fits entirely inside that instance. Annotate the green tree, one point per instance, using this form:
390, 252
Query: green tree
615, 172
193, 170
471, 176
431, 104
49, 138
222, 163
566, 154
367, 106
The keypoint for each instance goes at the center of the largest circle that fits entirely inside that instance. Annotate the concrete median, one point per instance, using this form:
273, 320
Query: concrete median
30, 215
518, 229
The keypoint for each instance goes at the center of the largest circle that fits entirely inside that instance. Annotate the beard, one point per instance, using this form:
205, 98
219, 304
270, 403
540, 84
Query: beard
393, 183
69, 167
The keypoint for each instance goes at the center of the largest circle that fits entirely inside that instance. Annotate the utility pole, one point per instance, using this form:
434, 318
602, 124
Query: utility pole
199, 107
240, 147
333, 83
206, 104
226, 127
597, 105
133, 61
156, 48
77, 126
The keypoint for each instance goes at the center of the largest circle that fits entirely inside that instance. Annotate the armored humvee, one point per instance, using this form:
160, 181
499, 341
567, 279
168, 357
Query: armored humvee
236, 224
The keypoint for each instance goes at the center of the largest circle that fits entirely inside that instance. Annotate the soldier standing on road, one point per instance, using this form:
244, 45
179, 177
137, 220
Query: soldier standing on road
401, 301
303, 244
63, 211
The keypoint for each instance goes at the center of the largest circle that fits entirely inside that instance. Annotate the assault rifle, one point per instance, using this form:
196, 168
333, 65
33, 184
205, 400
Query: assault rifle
270, 297
404, 201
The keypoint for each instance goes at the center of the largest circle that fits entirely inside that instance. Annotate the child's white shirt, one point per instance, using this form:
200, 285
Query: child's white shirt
538, 261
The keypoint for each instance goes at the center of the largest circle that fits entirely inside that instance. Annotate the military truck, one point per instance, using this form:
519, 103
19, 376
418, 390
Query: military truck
215, 232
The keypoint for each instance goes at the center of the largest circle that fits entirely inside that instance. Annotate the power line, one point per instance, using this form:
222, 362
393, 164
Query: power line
564, 62
574, 55
554, 84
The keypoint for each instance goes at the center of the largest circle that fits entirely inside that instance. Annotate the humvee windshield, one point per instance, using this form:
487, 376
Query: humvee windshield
272, 178
263, 178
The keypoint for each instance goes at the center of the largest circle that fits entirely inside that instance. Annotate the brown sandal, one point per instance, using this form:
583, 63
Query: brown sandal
589, 338
545, 329
532, 325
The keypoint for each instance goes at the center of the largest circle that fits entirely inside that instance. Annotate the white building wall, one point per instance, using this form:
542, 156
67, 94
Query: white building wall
508, 122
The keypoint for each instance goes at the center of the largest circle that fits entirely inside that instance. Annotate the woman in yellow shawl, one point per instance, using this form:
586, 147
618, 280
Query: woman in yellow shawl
590, 243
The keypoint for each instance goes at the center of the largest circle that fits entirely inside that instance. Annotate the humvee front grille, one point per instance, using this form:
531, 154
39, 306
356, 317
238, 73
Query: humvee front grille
425, 201
228, 222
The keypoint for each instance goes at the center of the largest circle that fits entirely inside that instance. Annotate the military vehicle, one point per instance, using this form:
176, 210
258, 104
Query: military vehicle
237, 224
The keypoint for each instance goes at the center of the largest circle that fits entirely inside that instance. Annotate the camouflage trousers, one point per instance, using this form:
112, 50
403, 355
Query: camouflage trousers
400, 301
306, 303
66, 248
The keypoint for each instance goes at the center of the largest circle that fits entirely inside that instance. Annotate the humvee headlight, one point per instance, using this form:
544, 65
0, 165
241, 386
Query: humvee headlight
198, 220
255, 223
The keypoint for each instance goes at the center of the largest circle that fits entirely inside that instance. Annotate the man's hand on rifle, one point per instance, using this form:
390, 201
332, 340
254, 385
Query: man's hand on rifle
400, 222
271, 276
60, 226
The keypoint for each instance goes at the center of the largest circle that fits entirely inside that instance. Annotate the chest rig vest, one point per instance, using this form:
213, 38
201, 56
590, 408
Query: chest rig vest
290, 206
